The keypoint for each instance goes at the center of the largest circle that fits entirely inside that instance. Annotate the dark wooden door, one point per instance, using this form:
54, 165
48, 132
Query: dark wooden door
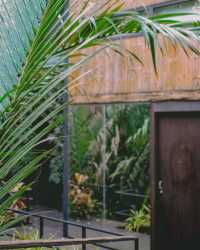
176, 180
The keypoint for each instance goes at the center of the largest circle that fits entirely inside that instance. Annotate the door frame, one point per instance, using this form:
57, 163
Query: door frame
157, 109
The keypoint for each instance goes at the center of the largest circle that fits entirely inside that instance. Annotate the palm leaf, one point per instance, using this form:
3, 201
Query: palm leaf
33, 67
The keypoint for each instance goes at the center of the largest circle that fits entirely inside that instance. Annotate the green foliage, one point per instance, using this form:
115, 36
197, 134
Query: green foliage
82, 202
28, 110
127, 148
27, 234
56, 162
85, 123
33, 234
122, 145
18, 203
139, 220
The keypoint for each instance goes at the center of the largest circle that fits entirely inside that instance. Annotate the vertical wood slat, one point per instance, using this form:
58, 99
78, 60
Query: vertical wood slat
118, 79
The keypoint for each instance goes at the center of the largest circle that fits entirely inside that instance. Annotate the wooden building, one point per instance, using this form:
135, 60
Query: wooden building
175, 124
123, 79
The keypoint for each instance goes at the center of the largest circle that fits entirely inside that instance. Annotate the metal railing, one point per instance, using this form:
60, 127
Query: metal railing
84, 229
18, 244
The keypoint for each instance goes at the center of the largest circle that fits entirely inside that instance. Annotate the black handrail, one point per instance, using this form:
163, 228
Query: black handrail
84, 228
18, 244
44, 217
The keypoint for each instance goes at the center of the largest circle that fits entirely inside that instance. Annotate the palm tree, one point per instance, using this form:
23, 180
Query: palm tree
36, 61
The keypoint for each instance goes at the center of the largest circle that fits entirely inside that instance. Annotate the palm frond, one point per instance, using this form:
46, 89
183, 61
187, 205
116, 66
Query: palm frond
36, 41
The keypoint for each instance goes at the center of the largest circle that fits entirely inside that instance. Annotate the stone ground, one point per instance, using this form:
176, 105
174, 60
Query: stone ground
54, 230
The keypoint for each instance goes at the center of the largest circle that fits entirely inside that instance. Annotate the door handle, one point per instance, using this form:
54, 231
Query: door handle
160, 186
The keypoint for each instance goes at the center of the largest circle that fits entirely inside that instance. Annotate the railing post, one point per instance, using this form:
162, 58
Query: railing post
41, 227
66, 151
28, 205
65, 229
137, 244
84, 235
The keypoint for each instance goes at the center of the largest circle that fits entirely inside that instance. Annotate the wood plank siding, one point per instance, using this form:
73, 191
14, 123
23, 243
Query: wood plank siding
122, 79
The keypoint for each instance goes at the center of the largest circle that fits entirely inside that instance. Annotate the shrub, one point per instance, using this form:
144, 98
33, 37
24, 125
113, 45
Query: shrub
139, 220
82, 202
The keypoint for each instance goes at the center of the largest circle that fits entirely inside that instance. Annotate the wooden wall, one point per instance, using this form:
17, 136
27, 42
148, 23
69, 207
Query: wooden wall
129, 3
122, 79
138, 3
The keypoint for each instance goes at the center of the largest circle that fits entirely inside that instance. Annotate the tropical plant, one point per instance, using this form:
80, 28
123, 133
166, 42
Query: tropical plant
39, 64
131, 170
127, 148
19, 203
120, 152
25, 234
82, 202
85, 124
139, 220
33, 234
